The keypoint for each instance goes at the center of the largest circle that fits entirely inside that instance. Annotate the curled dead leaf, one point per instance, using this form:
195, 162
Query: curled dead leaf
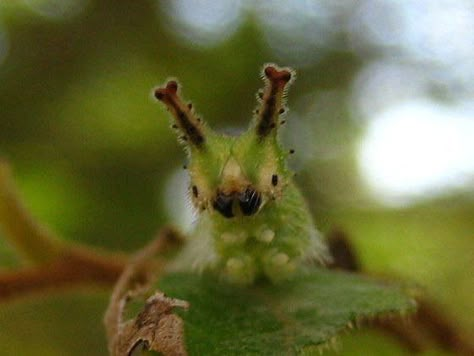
155, 328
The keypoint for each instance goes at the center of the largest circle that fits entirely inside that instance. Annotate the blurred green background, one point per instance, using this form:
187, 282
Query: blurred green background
381, 118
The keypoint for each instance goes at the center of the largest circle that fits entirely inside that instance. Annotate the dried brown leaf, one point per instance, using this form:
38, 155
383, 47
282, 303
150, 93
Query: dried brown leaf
155, 328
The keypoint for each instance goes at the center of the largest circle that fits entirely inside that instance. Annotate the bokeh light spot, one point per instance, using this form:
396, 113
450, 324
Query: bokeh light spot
57, 9
176, 198
418, 150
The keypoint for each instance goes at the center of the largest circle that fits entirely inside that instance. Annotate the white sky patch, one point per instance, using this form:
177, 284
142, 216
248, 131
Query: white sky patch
385, 83
297, 31
205, 22
418, 150
439, 31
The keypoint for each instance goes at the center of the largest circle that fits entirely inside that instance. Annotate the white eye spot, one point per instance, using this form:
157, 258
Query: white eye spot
234, 264
266, 236
280, 259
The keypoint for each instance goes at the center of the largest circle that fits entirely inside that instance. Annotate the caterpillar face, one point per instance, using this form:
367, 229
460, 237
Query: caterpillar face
257, 221
233, 176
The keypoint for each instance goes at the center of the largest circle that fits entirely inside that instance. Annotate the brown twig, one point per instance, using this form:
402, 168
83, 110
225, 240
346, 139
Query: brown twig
443, 329
77, 267
156, 321
53, 263
31, 239
342, 252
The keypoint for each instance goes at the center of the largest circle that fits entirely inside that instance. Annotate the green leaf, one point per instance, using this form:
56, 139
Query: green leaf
278, 319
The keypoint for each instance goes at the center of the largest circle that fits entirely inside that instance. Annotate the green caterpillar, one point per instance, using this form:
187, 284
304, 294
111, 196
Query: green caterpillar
252, 220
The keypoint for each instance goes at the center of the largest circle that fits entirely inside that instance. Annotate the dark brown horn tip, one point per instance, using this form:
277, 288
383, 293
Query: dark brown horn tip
170, 89
172, 86
275, 75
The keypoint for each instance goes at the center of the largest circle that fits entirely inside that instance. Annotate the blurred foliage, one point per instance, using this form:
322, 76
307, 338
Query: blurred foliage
63, 324
92, 153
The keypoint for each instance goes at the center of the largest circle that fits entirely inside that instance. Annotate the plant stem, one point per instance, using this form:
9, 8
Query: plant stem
76, 267
57, 264
30, 238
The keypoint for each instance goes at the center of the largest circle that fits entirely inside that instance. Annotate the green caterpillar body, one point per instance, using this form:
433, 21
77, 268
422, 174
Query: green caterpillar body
252, 220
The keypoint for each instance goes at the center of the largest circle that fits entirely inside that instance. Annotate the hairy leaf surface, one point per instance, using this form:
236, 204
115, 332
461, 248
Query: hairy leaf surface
278, 319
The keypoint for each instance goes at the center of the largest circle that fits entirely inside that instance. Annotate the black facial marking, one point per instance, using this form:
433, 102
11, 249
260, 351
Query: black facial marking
249, 201
223, 204
274, 180
195, 191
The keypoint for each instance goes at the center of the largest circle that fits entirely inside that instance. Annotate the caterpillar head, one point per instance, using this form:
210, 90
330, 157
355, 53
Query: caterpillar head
234, 176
